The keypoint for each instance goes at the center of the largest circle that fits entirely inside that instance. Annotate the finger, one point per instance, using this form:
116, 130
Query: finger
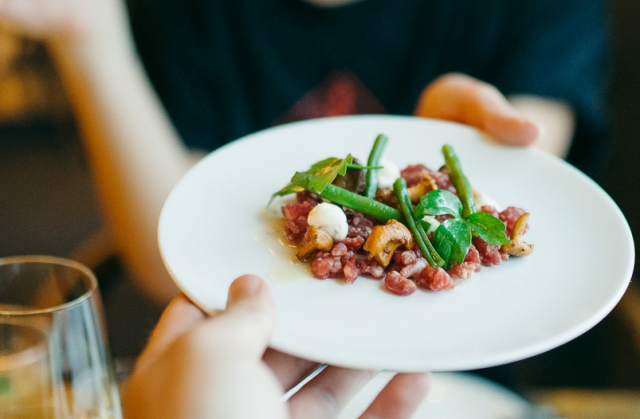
400, 398
324, 396
288, 369
510, 129
243, 330
463, 99
180, 316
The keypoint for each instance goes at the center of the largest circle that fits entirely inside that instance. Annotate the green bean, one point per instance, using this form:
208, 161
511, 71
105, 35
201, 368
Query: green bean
432, 253
459, 181
419, 235
374, 159
352, 200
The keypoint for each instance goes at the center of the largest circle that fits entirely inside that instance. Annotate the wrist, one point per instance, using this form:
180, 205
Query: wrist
92, 53
100, 39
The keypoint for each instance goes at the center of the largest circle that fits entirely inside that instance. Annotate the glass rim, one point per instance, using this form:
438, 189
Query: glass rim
60, 261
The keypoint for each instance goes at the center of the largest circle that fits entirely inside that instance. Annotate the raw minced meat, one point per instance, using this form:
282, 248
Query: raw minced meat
408, 270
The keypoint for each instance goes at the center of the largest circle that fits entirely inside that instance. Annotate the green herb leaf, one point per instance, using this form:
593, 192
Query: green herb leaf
453, 237
325, 171
301, 180
489, 228
438, 202
452, 240
287, 190
322, 173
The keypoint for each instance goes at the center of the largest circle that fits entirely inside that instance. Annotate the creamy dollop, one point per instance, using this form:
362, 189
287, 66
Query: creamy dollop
433, 223
332, 220
388, 174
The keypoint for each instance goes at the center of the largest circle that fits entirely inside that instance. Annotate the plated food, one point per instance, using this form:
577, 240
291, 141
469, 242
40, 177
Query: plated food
413, 228
214, 228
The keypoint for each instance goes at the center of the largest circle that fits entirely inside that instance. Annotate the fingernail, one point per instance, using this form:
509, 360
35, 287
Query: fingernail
244, 287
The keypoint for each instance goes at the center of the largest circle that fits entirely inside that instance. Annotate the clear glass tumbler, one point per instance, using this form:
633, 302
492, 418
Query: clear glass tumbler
54, 359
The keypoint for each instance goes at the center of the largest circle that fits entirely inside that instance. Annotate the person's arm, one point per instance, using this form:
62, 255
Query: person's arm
134, 152
135, 155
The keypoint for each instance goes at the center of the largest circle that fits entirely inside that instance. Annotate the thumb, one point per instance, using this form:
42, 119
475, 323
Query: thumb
248, 322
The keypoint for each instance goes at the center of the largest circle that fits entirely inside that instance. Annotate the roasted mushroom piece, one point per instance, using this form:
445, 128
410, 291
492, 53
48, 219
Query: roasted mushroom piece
426, 185
354, 180
416, 192
518, 247
318, 240
385, 239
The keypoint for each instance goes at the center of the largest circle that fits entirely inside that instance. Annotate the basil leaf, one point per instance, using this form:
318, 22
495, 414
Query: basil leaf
325, 171
438, 202
322, 173
452, 241
289, 189
489, 228
301, 180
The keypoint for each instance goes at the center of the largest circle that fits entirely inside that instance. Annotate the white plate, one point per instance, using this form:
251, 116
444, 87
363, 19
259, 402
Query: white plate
450, 396
214, 228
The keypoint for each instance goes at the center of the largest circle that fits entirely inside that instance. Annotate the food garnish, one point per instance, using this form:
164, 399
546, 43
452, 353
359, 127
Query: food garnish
446, 236
452, 238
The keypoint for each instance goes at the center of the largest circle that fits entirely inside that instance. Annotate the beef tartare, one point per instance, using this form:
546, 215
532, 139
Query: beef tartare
413, 228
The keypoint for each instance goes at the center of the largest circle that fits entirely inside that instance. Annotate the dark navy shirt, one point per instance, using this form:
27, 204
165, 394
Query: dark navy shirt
226, 68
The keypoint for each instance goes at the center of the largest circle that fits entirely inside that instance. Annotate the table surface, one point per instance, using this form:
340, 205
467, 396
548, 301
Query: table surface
591, 403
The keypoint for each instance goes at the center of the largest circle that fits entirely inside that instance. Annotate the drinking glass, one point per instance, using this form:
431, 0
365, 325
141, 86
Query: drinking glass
54, 360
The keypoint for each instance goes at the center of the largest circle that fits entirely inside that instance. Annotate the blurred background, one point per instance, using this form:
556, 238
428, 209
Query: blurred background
48, 206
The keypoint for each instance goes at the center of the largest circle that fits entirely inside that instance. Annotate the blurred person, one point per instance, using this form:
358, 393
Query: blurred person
198, 367
154, 83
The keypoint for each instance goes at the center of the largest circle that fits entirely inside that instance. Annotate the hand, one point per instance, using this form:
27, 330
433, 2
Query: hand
195, 367
460, 98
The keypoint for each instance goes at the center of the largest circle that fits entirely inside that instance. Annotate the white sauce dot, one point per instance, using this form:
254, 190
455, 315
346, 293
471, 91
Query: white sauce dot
332, 220
388, 174
433, 223
482, 200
